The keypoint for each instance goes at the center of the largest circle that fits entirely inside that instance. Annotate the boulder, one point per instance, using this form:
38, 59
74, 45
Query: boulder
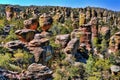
62, 40
117, 40
13, 45
75, 33
94, 13
115, 68
38, 36
105, 31
72, 46
46, 34
31, 23
25, 35
39, 54
39, 71
35, 43
41, 49
84, 35
39, 42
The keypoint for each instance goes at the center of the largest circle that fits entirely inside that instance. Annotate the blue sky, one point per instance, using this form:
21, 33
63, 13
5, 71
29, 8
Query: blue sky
109, 4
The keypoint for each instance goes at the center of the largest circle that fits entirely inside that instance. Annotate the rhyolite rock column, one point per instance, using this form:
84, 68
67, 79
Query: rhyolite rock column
57, 17
81, 19
9, 12
112, 43
45, 22
105, 14
94, 13
72, 16
71, 49
117, 41
85, 36
62, 40
94, 28
99, 14
40, 48
88, 15
105, 34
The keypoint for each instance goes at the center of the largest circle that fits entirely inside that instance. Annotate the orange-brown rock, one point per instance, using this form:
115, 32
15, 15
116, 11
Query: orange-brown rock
31, 23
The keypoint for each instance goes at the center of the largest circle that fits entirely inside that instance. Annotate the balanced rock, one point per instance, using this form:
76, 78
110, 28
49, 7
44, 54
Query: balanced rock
41, 49
31, 23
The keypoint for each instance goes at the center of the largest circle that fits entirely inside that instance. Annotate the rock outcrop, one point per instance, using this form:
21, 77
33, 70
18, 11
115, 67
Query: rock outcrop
62, 40
14, 45
45, 22
9, 12
38, 71
72, 47
40, 48
114, 44
31, 23
25, 35
81, 19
